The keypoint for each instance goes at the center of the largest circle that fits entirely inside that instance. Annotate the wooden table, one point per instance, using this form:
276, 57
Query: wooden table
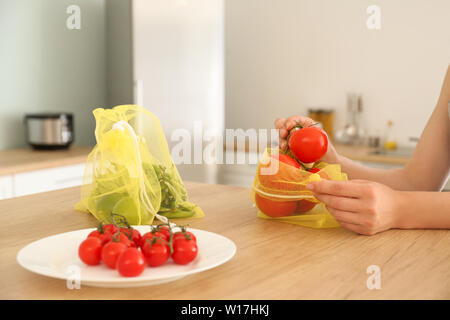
273, 261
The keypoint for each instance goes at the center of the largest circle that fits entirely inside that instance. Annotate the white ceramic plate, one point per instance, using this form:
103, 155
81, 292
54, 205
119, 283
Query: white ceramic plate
57, 257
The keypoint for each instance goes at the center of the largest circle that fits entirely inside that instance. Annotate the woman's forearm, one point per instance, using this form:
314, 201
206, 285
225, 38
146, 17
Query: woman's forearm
394, 178
423, 210
429, 166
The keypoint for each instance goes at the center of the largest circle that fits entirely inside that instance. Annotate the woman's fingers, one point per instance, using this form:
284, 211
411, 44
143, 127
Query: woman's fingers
283, 133
345, 216
336, 188
294, 120
340, 202
280, 123
284, 125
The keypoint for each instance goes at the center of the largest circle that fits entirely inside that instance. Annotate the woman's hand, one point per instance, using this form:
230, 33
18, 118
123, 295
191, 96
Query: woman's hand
361, 206
285, 125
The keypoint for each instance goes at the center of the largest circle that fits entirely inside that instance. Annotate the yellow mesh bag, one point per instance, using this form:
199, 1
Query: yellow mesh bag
277, 181
130, 171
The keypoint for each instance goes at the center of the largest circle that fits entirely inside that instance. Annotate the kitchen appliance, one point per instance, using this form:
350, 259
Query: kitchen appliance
352, 133
49, 131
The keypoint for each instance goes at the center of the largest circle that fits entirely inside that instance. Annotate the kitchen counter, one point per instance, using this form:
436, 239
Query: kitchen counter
354, 152
368, 154
26, 159
273, 261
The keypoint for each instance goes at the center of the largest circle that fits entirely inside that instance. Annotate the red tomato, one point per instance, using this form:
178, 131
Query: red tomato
110, 228
124, 238
165, 232
149, 236
184, 251
90, 251
153, 234
156, 252
275, 208
134, 234
104, 237
131, 262
286, 159
111, 252
304, 206
308, 144
314, 170
183, 234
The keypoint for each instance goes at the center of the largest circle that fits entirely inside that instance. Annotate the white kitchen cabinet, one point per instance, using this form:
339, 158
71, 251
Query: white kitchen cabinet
6, 187
48, 179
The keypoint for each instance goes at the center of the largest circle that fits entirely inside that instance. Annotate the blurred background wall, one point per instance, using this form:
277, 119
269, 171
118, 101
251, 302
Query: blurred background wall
281, 58
47, 67
285, 56
119, 51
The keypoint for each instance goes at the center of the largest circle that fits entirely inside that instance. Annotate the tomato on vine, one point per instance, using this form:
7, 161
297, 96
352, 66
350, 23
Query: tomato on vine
165, 231
184, 250
90, 251
307, 144
131, 262
132, 233
104, 237
275, 208
304, 206
111, 252
287, 160
109, 228
182, 234
156, 251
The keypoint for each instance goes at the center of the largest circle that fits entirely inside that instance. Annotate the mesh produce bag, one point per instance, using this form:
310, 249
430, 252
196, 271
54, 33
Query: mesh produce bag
130, 171
285, 185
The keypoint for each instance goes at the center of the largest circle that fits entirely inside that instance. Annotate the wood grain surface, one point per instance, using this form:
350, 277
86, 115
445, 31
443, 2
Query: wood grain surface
273, 261
26, 159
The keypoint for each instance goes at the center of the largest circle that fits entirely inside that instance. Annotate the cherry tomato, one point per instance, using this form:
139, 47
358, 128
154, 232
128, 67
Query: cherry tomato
304, 206
165, 232
90, 251
184, 251
131, 262
110, 228
286, 159
314, 170
135, 235
111, 252
156, 252
124, 238
150, 235
104, 237
274, 208
182, 234
308, 144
